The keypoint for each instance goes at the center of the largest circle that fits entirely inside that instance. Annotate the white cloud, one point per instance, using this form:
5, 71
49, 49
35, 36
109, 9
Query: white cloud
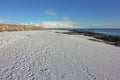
50, 13
58, 24
66, 18
54, 24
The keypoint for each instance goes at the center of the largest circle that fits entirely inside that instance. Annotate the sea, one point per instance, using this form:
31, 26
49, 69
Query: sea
106, 31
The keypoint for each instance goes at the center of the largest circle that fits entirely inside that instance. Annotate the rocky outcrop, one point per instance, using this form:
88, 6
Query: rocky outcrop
109, 39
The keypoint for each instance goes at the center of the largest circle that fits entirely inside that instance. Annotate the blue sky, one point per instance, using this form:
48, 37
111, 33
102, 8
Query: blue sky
80, 13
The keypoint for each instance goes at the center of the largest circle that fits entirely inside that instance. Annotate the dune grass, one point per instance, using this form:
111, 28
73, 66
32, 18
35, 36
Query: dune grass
18, 27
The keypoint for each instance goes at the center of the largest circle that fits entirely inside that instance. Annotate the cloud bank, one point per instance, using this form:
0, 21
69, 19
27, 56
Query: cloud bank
54, 24
58, 24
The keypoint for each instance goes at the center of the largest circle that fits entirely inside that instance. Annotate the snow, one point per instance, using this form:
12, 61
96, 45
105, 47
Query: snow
46, 55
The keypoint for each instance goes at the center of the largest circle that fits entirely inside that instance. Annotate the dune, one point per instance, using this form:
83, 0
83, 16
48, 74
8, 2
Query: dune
18, 27
47, 55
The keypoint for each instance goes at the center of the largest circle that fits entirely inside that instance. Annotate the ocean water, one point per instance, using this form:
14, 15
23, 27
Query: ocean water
107, 31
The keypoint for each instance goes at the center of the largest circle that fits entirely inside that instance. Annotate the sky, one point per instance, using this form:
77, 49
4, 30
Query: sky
62, 13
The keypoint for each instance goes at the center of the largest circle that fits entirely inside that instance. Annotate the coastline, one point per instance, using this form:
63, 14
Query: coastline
109, 39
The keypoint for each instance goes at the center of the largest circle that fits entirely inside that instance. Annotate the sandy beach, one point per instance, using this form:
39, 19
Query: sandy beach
47, 55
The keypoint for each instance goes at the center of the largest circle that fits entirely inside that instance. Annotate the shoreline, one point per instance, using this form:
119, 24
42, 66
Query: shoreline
109, 39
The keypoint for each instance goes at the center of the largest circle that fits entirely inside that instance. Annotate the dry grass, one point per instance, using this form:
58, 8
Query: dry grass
16, 27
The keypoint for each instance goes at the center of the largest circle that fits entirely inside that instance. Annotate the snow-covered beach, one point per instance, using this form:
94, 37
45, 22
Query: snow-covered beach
47, 55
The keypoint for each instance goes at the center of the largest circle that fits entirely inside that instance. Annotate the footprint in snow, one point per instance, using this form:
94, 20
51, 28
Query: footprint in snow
43, 70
